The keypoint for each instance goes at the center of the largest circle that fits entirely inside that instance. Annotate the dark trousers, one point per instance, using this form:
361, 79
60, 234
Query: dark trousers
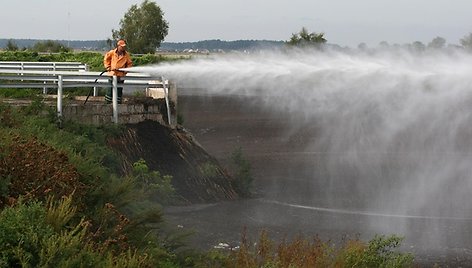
109, 94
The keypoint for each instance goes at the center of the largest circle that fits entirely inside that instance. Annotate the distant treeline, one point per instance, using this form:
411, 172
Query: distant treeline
75, 44
213, 45
102, 45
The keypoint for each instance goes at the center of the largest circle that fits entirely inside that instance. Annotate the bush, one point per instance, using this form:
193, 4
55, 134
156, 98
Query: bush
50, 46
22, 231
28, 239
19, 93
153, 184
120, 223
242, 173
300, 252
379, 252
35, 169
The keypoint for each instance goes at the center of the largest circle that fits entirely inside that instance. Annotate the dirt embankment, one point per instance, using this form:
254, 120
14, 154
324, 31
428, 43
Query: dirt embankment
197, 176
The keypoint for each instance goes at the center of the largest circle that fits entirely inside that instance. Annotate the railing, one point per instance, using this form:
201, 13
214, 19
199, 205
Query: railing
71, 79
43, 66
21, 66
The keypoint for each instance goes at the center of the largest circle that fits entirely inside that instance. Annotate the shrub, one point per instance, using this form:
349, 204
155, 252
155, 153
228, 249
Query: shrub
242, 173
22, 230
28, 239
379, 252
300, 252
153, 184
121, 226
50, 46
35, 169
180, 119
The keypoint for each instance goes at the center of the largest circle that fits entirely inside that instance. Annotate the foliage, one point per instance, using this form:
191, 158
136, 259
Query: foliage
11, 46
50, 46
60, 212
35, 169
153, 184
209, 170
19, 94
102, 215
300, 252
306, 39
147, 59
418, 46
8, 117
466, 42
28, 239
242, 173
22, 230
180, 119
217, 44
437, 43
379, 252
211, 45
143, 28
93, 59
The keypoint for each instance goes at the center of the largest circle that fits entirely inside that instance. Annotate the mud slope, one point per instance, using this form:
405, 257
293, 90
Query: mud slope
197, 176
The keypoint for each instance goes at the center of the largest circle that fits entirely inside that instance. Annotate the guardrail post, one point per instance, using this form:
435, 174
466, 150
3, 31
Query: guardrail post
59, 96
115, 99
166, 96
22, 69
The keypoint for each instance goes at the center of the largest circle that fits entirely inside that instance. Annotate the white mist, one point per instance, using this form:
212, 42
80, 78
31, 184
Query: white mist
396, 127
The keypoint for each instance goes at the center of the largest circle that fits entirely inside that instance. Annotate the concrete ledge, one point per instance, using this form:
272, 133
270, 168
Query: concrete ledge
130, 112
97, 112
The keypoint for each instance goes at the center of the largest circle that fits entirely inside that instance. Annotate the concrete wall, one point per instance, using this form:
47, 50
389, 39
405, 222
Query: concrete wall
131, 112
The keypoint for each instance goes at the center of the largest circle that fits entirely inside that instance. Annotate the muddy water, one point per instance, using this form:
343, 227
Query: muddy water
290, 186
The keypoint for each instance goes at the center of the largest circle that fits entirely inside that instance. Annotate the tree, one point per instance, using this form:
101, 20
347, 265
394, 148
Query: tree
50, 46
437, 43
466, 42
11, 46
143, 28
384, 45
362, 46
418, 46
306, 39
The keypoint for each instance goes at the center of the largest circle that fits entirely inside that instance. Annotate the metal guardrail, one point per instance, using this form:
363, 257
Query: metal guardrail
43, 66
60, 80
22, 66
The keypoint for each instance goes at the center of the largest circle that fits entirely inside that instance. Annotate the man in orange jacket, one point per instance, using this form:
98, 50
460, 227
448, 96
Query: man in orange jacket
114, 60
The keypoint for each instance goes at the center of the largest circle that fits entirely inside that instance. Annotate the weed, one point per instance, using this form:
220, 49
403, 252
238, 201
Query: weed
180, 119
300, 252
242, 173
153, 184
209, 170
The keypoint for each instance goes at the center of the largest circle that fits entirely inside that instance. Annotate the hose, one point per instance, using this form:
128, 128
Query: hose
90, 92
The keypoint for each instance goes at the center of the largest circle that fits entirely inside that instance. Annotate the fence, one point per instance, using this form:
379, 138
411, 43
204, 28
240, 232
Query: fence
61, 80
21, 66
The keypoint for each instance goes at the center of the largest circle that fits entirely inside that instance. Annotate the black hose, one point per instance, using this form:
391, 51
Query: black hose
90, 92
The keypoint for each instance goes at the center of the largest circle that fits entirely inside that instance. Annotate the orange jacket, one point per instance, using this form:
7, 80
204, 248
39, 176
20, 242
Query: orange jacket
112, 62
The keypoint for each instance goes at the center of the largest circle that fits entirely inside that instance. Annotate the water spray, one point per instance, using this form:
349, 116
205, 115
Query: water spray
394, 127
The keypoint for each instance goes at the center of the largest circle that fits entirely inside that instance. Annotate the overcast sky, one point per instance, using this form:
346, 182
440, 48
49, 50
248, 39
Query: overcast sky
344, 22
